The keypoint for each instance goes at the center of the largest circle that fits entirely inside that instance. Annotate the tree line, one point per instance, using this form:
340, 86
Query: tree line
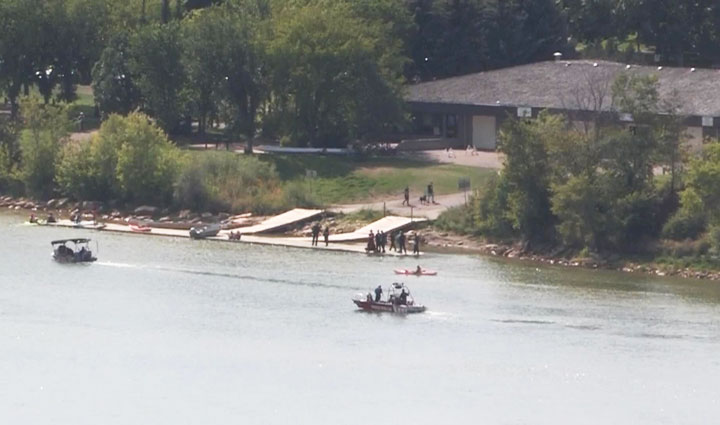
311, 72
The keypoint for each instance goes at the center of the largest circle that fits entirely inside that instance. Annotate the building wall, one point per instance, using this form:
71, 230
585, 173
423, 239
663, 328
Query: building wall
484, 132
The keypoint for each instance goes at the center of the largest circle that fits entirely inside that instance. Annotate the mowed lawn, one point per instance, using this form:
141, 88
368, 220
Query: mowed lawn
346, 180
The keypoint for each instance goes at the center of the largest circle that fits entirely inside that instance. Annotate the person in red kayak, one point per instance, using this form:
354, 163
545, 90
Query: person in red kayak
419, 270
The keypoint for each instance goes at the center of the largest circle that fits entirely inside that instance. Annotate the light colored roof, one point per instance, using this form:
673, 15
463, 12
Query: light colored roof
564, 85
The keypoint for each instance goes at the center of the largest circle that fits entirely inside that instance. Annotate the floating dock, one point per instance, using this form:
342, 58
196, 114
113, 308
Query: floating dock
347, 242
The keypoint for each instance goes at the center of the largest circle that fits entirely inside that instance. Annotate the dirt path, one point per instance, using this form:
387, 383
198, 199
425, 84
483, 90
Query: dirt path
394, 206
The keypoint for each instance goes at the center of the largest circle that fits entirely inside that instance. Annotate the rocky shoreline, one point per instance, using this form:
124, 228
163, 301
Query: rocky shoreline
443, 241
434, 240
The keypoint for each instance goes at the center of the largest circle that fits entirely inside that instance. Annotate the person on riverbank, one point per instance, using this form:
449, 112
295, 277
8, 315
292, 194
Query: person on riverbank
326, 235
51, 218
378, 241
378, 293
393, 236
406, 194
430, 193
315, 233
401, 243
416, 244
370, 243
383, 241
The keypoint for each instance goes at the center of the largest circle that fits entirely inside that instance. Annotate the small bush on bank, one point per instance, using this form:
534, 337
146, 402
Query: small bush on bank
222, 181
684, 226
457, 219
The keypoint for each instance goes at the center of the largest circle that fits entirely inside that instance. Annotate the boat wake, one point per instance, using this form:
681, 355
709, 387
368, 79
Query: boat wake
226, 275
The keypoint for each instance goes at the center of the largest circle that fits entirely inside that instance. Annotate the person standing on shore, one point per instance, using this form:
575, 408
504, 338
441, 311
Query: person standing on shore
383, 240
430, 193
401, 243
416, 244
326, 234
406, 194
315, 233
393, 235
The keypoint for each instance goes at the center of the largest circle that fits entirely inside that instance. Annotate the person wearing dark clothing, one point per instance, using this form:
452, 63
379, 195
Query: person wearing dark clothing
406, 194
371, 243
401, 243
416, 244
430, 193
315, 234
383, 241
393, 236
378, 241
403, 297
326, 235
378, 293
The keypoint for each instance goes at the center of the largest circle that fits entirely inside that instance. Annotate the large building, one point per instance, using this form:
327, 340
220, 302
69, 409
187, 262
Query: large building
468, 110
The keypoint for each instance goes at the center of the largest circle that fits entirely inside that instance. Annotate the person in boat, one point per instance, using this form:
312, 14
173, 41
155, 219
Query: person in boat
370, 243
51, 218
378, 293
418, 270
402, 299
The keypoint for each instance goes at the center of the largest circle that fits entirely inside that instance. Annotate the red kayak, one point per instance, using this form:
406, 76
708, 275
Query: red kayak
423, 272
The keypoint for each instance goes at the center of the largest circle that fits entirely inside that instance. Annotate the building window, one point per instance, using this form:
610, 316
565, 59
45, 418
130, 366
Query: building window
711, 133
451, 129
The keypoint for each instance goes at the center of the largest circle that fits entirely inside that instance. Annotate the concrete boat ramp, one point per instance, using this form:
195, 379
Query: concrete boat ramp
347, 242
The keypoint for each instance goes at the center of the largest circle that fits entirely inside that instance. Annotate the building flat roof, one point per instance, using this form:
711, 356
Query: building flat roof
571, 85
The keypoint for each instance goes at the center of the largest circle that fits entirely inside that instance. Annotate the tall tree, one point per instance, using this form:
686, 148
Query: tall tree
332, 79
156, 66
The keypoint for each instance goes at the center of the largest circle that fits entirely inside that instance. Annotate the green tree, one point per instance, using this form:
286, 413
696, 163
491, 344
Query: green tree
45, 129
112, 81
332, 80
527, 175
156, 66
147, 161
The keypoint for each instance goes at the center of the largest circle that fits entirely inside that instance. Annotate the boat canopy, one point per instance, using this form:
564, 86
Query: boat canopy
76, 241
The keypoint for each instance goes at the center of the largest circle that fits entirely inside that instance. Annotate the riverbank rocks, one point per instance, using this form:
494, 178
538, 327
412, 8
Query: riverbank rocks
146, 210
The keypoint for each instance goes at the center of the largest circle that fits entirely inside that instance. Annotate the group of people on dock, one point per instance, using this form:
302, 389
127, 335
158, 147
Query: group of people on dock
315, 229
398, 240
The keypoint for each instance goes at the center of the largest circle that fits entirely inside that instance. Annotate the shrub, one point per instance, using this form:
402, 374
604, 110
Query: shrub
224, 181
683, 225
456, 219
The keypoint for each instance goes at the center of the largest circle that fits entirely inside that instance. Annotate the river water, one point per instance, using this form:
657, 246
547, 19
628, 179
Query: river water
172, 331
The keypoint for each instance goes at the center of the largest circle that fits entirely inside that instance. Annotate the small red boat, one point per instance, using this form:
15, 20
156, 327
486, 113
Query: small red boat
423, 272
140, 228
402, 303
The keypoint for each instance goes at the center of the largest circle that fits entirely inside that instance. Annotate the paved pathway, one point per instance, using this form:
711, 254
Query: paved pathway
394, 206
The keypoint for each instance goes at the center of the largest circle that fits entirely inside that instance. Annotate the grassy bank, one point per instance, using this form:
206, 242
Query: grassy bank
350, 180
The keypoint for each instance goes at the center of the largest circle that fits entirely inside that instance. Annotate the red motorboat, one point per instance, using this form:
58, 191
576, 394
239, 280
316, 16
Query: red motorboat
401, 303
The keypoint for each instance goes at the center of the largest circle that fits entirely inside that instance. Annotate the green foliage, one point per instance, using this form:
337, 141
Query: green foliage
223, 181
684, 226
147, 161
527, 175
156, 65
332, 77
112, 81
46, 127
128, 159
456, 219
581, 205
9, 158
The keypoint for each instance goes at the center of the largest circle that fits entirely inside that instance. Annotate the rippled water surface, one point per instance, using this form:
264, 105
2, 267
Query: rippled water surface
171, 331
